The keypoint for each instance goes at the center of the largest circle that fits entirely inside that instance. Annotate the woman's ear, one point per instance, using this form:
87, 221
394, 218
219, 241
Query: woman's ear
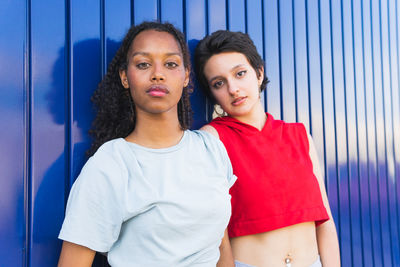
124, 79
260, 75
187, 78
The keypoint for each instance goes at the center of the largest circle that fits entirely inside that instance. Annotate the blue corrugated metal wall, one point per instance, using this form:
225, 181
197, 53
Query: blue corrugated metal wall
333, 65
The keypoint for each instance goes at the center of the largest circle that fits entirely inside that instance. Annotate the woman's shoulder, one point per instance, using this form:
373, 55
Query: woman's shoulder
210, 129
294, 133
288, 127
205, 135
109, 156
210, 142
109, 148
205, 138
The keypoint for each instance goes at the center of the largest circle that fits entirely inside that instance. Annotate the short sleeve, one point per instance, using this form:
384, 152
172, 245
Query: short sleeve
223, 157
224, 154
94, 213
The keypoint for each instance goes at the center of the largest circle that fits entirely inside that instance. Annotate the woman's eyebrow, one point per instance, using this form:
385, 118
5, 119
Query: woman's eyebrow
233, 68
238, 66
148, 54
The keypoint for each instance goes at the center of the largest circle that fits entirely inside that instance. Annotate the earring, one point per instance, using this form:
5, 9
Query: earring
219, 111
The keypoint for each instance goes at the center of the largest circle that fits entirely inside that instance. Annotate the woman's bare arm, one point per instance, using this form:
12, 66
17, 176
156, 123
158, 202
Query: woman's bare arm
73, 255
327, 239
209, 129
226, 257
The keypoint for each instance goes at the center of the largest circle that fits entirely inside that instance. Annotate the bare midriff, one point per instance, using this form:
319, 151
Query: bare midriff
294, 246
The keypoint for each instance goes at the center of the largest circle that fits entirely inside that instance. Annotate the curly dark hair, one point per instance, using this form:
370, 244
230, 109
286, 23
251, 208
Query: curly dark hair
115, 108
225, 41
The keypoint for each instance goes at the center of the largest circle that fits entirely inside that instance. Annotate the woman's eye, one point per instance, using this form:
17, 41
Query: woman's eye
171, 65
241, 73
143, 65
217, 84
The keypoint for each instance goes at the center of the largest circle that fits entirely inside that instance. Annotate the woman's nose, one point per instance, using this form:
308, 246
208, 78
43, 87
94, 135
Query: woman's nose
232, 88
157, 74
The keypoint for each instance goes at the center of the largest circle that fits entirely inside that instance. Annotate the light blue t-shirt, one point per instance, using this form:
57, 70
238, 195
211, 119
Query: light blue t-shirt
153, 207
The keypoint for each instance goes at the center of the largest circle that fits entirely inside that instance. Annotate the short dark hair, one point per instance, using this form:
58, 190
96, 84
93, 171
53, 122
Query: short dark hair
225, 41
115, 108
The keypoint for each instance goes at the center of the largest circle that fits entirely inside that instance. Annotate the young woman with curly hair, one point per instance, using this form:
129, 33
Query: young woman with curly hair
153, 193
280, 210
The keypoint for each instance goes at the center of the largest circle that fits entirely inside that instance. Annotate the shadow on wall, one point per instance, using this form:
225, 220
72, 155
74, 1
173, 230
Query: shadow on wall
202, 109
50, 200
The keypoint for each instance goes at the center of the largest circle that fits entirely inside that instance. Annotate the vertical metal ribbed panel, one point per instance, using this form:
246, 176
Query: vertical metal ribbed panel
47, 130
332, 65
14, 130
328, 109
362, 212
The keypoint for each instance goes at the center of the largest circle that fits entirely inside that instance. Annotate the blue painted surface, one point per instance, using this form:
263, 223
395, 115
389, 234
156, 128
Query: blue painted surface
236, 15
117, 18
216, 13
333, 65
286, 59
172, 12
46, 190
196, 28
144, 10
315, 81
326, 73
271, 57
351, 125
13, 171
340, 116
380, 133
363, 210
393, 233
300, 63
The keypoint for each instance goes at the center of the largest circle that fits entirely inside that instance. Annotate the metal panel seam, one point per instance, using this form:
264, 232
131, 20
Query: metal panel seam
227, 14
366, 128
245, 16
384, 129
159, 10
27, 126
207, 17
393, 122
132, 12
347, 133
376, 150
398, 86
294, 62
280, 56
103, 44
357, 133
322, 86
334, 114
308, 70
67, 89
184, 19
263, 48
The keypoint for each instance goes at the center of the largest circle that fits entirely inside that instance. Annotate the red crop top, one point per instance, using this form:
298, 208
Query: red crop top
276, 186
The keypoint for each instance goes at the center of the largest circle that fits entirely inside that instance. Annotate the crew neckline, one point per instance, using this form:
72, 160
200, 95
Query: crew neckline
159, 150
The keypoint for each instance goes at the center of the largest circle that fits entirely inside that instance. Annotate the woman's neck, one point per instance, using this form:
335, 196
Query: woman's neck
256, 117
156, 130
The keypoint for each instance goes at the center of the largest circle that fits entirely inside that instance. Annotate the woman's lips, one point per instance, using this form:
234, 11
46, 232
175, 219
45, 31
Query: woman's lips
157, 91
238, 101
